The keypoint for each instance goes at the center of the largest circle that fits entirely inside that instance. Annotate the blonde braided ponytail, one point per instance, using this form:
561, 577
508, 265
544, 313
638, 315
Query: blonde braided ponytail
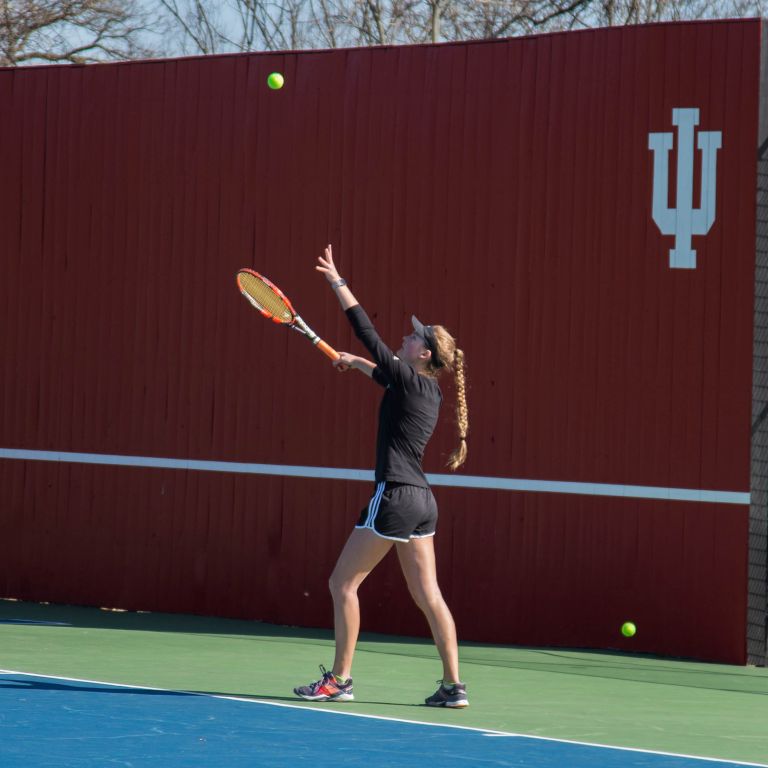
448, 351
459, 455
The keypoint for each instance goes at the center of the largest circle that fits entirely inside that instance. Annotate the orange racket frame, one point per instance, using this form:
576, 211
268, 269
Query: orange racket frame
288, 317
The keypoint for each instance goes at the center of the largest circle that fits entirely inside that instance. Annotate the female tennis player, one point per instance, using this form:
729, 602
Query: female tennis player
402, 511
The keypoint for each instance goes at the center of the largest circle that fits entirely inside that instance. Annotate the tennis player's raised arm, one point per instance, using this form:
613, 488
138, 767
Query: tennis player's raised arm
347, 300
339, 285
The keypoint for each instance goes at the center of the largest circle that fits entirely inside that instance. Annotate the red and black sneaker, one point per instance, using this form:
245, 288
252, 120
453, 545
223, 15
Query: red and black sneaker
326, 689
454, 696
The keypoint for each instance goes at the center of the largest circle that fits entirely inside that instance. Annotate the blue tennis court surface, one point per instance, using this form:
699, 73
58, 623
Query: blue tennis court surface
50, 722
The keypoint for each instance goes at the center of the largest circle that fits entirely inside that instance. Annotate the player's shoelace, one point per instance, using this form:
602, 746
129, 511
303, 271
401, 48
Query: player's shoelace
314, 687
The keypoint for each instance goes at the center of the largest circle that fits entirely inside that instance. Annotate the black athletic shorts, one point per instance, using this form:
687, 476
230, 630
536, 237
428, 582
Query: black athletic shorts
400, 512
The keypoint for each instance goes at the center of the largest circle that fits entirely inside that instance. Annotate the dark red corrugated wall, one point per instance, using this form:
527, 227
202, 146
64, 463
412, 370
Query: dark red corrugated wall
501, 188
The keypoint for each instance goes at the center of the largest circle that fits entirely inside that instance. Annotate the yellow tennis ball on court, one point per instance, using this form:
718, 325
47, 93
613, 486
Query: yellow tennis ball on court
275, 81
628, 629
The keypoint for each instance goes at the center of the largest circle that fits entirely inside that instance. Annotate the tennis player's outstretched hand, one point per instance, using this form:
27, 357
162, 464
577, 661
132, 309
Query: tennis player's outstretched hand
326, 265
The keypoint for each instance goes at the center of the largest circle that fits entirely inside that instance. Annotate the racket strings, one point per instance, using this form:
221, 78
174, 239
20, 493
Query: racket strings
265, 298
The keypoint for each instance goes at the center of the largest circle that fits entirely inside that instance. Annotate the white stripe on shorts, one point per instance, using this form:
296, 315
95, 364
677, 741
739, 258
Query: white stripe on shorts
373, 504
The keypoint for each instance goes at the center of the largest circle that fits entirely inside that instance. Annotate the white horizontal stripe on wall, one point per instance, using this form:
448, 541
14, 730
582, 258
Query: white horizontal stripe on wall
335, 473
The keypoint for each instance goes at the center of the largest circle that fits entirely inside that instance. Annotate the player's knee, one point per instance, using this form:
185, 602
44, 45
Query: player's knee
427, 599
341, 588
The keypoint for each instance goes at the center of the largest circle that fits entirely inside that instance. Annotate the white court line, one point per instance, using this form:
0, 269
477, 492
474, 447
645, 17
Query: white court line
332, 473
309, 708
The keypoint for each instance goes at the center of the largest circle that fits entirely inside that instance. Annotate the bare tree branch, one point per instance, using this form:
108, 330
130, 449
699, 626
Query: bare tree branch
76, 31
251, 25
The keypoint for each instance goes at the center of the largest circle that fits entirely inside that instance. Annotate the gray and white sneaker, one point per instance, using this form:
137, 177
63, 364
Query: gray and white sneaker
327, 688
454, 696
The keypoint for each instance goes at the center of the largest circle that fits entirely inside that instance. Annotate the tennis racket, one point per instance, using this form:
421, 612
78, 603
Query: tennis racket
274, 304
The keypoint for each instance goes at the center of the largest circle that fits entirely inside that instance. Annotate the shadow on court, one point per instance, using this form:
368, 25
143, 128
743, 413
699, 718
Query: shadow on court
596, 664
48, 686
32, 684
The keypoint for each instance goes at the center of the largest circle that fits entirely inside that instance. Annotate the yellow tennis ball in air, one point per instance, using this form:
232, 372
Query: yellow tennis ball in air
275, 81
628, 629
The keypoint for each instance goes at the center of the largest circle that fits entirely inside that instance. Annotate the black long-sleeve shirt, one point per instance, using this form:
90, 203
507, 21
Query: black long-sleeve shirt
408, 412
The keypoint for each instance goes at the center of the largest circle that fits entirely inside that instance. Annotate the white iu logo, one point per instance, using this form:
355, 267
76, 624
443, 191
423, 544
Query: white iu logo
684, 220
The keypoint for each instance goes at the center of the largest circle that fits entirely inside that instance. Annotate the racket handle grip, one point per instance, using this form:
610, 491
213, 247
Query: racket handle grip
328, 350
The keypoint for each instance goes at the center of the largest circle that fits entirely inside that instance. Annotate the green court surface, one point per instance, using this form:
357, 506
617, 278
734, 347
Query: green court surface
682, 707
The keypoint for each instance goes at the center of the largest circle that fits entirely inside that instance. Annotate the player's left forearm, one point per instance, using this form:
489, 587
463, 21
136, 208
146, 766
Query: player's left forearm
364, 366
